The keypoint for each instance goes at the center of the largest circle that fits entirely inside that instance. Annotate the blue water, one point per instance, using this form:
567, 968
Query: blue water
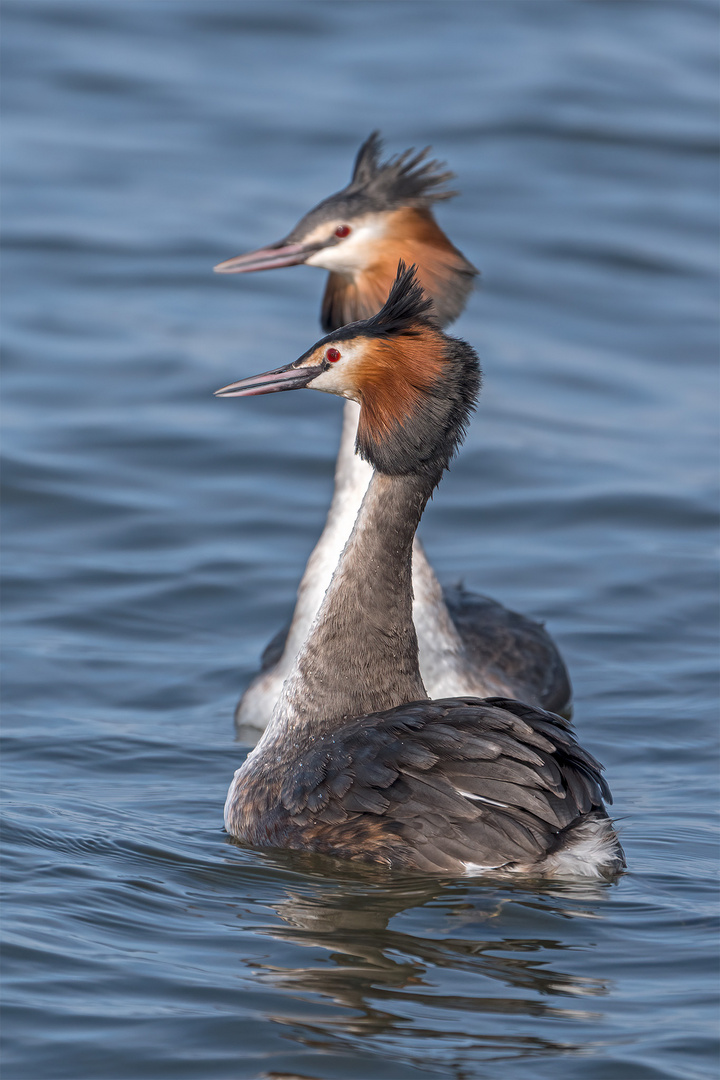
154, 536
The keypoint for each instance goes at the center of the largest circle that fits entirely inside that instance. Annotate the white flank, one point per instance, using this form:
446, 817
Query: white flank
481, 798
478, 868
592, 851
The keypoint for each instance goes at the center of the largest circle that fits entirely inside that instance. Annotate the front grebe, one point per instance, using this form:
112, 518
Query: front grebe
469, 644
356, 761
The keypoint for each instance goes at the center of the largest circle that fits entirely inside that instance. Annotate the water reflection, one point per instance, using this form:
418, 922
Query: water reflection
406, 977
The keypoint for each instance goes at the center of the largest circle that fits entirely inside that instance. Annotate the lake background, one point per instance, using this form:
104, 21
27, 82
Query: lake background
154, 536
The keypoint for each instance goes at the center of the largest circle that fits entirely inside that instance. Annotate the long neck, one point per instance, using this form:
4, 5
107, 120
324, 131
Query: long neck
362, 652
352, 476
440, 645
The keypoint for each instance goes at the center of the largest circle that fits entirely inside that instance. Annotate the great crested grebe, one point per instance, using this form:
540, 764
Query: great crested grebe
356, 761
469, 644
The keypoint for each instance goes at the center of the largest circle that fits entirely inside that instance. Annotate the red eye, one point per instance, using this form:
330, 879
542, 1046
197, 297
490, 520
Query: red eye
332, 355
342, 231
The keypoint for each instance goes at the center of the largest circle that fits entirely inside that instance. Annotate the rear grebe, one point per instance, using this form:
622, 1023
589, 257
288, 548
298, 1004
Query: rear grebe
459, 785
468, 644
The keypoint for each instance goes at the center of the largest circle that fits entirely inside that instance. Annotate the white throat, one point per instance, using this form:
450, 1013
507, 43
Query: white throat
352, 476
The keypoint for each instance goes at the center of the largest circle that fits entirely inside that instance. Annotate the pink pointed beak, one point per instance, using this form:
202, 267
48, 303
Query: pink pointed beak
269, 258
271, 382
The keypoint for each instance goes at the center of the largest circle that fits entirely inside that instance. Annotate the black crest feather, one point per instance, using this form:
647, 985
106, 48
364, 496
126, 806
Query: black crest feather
407, 179
405, 306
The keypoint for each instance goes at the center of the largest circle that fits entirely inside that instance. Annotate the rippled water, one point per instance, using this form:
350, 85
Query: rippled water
154, 536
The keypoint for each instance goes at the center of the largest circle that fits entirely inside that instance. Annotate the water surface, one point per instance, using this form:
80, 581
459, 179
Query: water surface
154, 536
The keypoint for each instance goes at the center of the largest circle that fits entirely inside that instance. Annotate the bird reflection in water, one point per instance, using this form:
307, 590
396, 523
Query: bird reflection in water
393, 981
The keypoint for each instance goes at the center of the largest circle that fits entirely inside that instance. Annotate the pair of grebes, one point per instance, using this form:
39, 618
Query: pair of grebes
404, 725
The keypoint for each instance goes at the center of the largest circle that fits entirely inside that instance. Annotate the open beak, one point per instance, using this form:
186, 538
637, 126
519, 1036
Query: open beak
269, 258
284, 378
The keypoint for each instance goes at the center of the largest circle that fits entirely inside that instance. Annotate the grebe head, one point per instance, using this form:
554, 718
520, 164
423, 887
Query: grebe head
416, 386
359, 234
